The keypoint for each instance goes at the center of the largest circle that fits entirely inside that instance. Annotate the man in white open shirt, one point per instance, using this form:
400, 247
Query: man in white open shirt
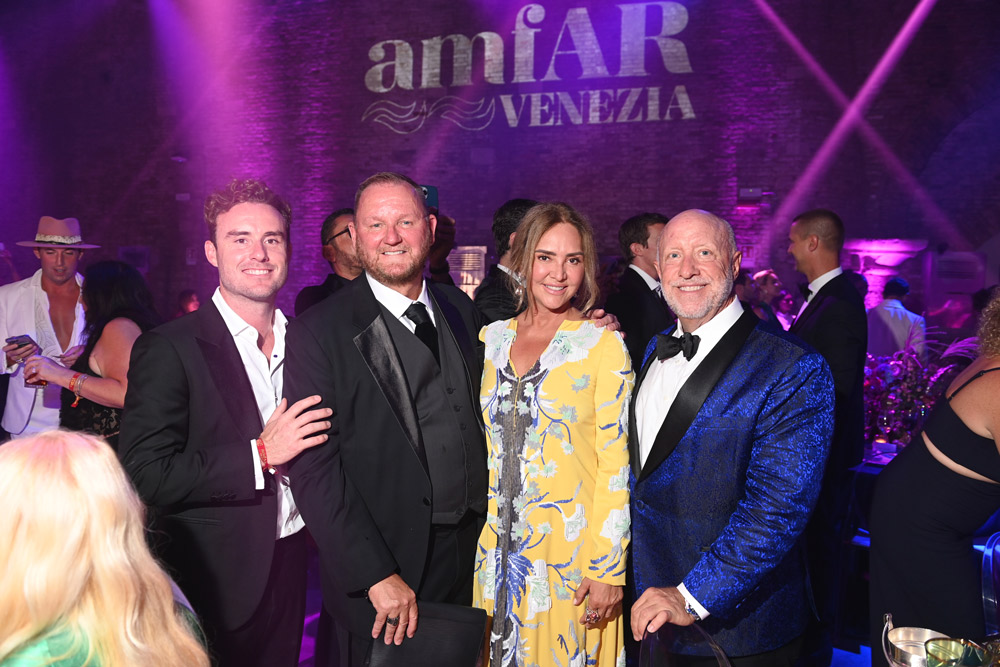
204, 438
47, 308
729, 433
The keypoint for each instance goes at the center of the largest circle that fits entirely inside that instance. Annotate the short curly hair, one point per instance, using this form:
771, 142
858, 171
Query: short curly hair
989, 329
242, 191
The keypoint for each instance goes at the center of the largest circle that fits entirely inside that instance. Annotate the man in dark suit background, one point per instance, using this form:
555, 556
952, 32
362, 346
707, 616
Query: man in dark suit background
395, 499
833, 321
338, 250
638, 302
204, 439
729, 429
494, 297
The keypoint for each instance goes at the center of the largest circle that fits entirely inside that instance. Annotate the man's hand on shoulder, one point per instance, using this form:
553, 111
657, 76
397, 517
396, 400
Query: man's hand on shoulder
602, 319
657, 606
290, 430
396, 609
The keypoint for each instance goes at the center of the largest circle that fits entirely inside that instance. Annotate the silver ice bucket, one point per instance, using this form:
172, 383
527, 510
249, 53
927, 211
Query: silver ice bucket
904, 647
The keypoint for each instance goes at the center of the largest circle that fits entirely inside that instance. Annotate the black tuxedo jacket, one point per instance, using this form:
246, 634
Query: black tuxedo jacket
189, 419
642, 314
835, 323
494, 297
365, 494
313, 294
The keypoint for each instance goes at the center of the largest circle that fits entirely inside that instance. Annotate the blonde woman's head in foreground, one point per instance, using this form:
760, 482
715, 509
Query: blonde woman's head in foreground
75, 559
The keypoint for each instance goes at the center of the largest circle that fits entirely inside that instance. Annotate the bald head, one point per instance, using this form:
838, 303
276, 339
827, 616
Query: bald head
724, 231
697, 260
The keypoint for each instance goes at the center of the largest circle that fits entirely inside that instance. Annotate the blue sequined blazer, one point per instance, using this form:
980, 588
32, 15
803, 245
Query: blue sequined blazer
730, 482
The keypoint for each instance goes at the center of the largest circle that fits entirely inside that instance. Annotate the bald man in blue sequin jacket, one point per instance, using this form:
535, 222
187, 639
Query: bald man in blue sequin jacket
730, 427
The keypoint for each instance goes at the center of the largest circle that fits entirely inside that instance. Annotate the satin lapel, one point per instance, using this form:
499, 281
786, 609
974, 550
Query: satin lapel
810, 309
374, 342
223, 363
633, 434
693, 393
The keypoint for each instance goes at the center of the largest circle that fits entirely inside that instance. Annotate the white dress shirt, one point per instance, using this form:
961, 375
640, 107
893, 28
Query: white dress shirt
397, 304
266, 379
662, 383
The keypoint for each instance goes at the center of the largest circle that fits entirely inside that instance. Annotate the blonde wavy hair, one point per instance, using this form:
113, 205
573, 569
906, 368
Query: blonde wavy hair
538, 220
989, 329
75, 559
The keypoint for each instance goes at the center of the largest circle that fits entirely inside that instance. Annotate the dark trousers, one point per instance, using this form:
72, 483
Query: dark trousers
451, 558
273, 635
784, 656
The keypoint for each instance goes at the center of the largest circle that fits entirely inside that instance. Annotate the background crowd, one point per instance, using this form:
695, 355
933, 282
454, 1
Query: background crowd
585, 477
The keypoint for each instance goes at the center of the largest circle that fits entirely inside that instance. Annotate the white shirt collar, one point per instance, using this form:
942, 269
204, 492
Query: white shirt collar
651, 282
818, 284
237, 325
711, 332
397, 303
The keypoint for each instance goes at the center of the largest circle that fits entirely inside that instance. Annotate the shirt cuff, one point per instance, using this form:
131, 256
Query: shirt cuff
258, 472
702, 612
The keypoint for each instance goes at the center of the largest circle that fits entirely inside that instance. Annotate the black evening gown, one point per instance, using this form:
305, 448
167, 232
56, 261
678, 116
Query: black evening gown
924, 569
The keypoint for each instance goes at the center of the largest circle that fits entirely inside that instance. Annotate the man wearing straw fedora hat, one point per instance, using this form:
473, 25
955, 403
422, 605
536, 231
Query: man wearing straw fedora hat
41, 315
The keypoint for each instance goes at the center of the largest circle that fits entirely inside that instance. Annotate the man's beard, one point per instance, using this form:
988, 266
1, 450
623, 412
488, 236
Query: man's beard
399, 276
712, 304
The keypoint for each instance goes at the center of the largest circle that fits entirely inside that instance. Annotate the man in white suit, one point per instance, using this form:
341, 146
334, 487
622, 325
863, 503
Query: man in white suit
891, 327
45, 307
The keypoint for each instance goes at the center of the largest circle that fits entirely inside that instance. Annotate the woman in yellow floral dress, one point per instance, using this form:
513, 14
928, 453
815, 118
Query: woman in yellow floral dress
551, 559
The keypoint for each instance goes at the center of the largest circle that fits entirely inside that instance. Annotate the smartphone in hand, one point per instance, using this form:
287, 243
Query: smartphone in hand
20, 341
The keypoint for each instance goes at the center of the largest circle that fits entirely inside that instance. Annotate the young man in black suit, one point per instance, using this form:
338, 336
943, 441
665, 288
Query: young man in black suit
204, 440
396, 497
639, 303
834, 322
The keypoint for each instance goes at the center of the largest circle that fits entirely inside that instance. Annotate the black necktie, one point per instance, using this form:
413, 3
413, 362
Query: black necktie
417, 313
804, 288
669, 346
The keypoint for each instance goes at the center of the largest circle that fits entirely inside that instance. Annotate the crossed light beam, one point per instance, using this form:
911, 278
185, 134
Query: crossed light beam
852, 119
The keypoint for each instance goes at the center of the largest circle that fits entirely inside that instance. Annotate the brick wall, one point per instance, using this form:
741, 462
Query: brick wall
125, 114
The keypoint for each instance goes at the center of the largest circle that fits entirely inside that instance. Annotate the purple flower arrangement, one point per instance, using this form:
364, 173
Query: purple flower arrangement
901, 390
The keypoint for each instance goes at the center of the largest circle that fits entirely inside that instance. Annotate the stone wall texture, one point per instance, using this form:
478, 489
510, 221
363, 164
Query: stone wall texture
126, 113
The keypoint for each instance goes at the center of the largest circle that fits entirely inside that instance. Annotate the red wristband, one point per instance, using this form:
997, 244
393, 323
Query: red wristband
262, 453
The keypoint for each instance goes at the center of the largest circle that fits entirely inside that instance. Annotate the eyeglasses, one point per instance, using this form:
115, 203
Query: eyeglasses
340, 233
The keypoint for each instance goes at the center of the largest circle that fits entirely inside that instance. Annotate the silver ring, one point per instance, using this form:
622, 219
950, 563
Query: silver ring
392, 620
592, 616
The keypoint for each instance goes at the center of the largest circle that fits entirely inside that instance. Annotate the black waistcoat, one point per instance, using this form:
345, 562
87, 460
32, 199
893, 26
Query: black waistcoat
451, 437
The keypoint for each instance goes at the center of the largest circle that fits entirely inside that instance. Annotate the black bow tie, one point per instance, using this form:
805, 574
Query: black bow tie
804, 288
669, 346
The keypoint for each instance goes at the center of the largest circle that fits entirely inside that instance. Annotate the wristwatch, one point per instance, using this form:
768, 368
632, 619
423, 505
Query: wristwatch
692, 612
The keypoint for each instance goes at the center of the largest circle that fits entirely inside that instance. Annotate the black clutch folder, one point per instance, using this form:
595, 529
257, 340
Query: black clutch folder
448, 635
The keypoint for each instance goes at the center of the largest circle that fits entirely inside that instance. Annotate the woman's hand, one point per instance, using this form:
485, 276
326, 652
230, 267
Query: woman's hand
604, 602
38, 368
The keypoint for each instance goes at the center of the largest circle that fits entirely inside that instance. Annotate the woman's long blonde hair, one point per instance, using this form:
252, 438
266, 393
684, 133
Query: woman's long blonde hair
75, 561
538, 220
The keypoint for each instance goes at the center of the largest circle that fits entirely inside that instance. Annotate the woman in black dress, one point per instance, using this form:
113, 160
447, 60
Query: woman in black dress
119, 307
930, 500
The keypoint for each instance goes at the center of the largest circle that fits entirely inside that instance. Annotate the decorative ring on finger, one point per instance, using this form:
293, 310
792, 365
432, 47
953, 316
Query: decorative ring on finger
592, 616
392, 620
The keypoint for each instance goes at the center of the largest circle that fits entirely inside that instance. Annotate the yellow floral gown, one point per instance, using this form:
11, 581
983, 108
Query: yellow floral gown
558, 495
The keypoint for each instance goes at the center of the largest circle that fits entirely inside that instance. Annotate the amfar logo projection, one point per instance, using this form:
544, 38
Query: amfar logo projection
574, 56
